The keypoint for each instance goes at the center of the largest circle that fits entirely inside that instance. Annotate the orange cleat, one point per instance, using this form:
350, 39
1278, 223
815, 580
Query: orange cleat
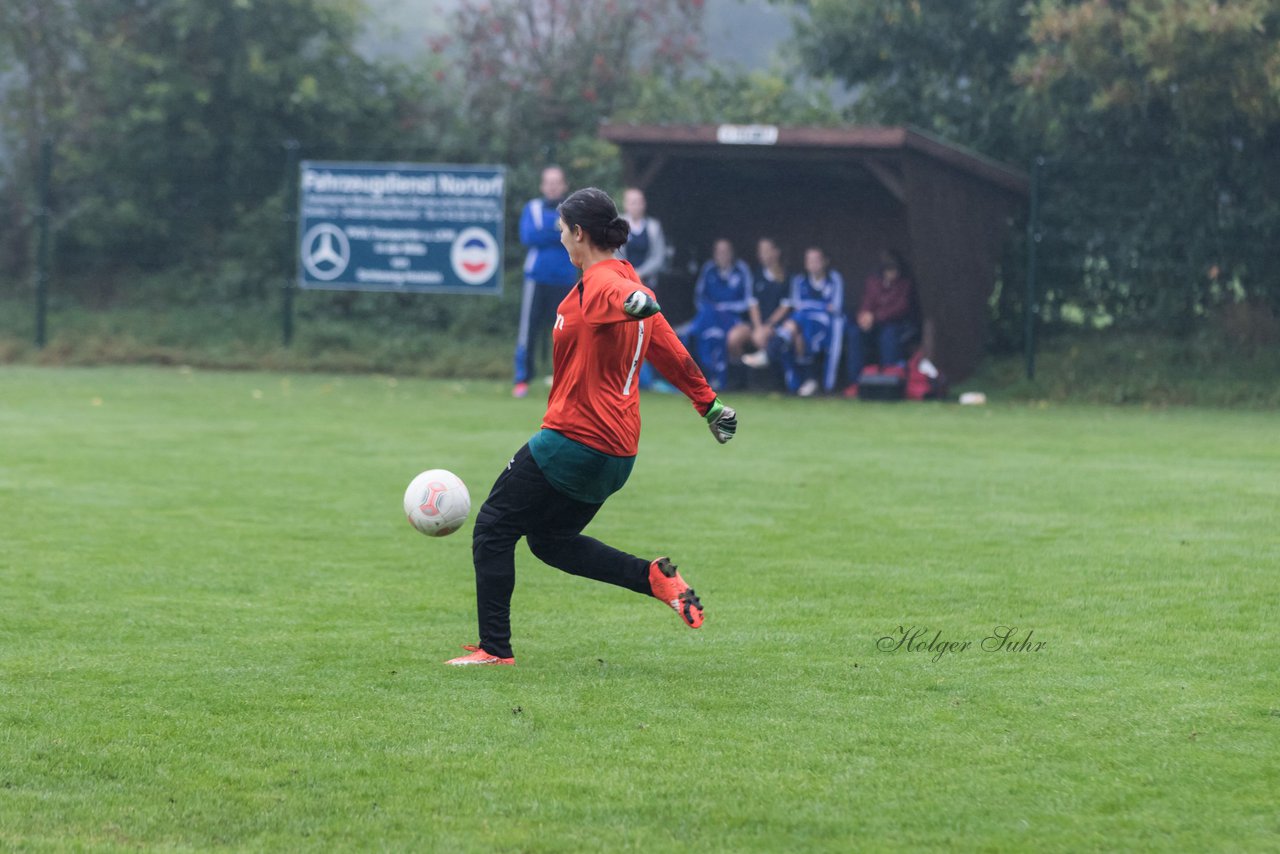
668, 586
520, 390
478, 656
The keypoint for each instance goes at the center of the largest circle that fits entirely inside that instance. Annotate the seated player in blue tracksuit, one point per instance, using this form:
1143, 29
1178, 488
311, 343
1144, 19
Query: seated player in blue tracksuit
724, 300
812, 337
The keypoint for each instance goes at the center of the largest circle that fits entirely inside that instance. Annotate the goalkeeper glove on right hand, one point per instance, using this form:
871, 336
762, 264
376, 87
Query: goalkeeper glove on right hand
723, 421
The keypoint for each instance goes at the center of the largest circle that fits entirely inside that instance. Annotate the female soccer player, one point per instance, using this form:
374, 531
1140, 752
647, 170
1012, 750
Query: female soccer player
607, 325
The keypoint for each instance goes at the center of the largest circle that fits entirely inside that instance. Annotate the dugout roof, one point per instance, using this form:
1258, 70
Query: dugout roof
853, 191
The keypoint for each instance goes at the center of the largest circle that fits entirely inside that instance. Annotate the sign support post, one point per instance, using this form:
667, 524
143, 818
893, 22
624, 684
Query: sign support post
43, 247
291, 147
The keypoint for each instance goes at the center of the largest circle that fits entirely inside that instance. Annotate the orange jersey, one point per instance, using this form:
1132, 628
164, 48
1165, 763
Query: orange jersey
597, 350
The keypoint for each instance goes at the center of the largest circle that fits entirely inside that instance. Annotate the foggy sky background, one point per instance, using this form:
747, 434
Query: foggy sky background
746, 33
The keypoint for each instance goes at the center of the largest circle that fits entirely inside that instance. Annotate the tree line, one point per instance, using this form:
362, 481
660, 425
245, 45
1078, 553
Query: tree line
1154, 122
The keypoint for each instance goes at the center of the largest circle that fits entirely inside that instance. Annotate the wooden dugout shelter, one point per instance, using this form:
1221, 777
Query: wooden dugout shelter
852, 191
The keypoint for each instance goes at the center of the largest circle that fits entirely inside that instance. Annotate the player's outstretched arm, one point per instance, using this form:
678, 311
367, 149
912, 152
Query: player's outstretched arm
673, 361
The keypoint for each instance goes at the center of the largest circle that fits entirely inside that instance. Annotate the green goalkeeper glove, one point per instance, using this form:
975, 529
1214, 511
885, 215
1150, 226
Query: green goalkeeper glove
641, 305
722, 420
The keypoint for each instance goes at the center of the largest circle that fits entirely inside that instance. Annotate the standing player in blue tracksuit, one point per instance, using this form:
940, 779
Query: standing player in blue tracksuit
548, 273
816, 326
724, 299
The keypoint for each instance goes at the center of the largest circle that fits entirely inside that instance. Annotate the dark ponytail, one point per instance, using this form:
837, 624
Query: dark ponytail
595, 212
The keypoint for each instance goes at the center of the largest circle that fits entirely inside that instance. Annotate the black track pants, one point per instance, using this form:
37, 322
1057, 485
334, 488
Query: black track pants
523, 503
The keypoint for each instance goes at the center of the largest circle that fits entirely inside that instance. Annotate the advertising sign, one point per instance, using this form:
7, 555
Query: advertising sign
424, 228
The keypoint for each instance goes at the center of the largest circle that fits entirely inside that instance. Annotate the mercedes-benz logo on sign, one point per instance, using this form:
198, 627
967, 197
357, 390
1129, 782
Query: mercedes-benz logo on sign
326, 251
474, 256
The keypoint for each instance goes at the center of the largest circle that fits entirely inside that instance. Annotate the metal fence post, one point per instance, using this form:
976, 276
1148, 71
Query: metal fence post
291, 147
43, 247
1033, 239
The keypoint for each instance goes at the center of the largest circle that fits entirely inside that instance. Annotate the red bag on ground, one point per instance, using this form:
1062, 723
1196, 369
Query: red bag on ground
924, 381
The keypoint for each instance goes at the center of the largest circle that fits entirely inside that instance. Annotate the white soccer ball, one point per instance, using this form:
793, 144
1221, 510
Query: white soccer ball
437, 502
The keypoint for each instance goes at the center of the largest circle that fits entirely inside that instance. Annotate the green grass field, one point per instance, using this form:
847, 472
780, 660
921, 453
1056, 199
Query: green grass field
218, 632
